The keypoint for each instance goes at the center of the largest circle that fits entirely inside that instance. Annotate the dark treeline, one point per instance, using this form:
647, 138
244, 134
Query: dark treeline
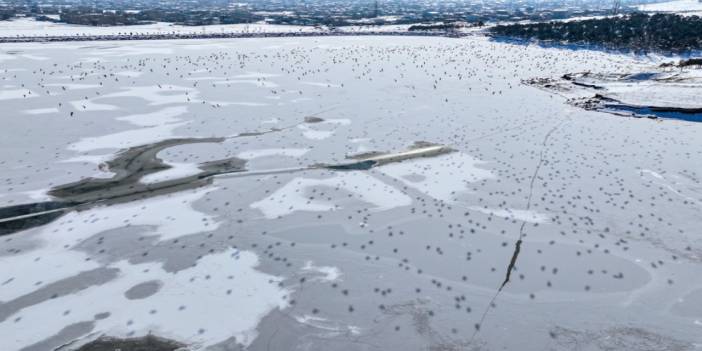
86, 16
638, 32
444, 26
6, 14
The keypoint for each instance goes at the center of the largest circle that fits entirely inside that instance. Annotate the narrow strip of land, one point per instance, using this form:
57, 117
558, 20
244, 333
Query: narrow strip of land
175, 36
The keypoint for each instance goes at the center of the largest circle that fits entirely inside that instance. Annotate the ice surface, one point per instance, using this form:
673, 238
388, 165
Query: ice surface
295, 196
17, 94
522, 215
184, 308
405, 255
444, 177
252, 154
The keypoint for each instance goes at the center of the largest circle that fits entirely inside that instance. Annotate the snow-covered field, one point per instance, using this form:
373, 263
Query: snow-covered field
665, 92
685, 7
405, 255
29, 27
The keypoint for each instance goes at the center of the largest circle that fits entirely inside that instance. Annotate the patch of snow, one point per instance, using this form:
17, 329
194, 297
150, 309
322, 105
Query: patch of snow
54, 260
17, 94
157, 118
363, 187
189, 306
127, 138
41, 111
324, 273
444, 177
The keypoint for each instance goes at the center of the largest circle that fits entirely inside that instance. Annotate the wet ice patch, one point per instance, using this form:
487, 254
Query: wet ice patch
294, 196
189, 306
143, 290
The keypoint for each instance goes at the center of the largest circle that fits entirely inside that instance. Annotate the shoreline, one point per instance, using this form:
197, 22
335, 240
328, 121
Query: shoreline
170, 36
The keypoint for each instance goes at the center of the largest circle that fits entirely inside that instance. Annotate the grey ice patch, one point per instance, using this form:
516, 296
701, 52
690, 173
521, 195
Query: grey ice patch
13, 245
117, 244
143, 290
148, 342
66, 286
64, 336
102, 315
140, 245
414, 178
690, 305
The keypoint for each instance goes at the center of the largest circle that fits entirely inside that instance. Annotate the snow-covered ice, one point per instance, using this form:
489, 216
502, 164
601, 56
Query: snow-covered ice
599, 213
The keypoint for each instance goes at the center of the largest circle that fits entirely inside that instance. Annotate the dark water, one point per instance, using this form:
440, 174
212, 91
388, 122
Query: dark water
656, 113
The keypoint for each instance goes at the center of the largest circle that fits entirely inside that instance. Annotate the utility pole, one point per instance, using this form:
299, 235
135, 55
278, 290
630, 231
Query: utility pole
617, 5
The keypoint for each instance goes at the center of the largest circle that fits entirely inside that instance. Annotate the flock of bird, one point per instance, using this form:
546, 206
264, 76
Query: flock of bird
559, 203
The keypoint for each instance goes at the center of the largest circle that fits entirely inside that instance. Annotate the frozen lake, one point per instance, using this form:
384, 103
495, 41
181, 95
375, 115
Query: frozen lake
595, 216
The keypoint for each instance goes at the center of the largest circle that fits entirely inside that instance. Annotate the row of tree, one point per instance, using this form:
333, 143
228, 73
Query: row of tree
86, 16
637, 31
444, 26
